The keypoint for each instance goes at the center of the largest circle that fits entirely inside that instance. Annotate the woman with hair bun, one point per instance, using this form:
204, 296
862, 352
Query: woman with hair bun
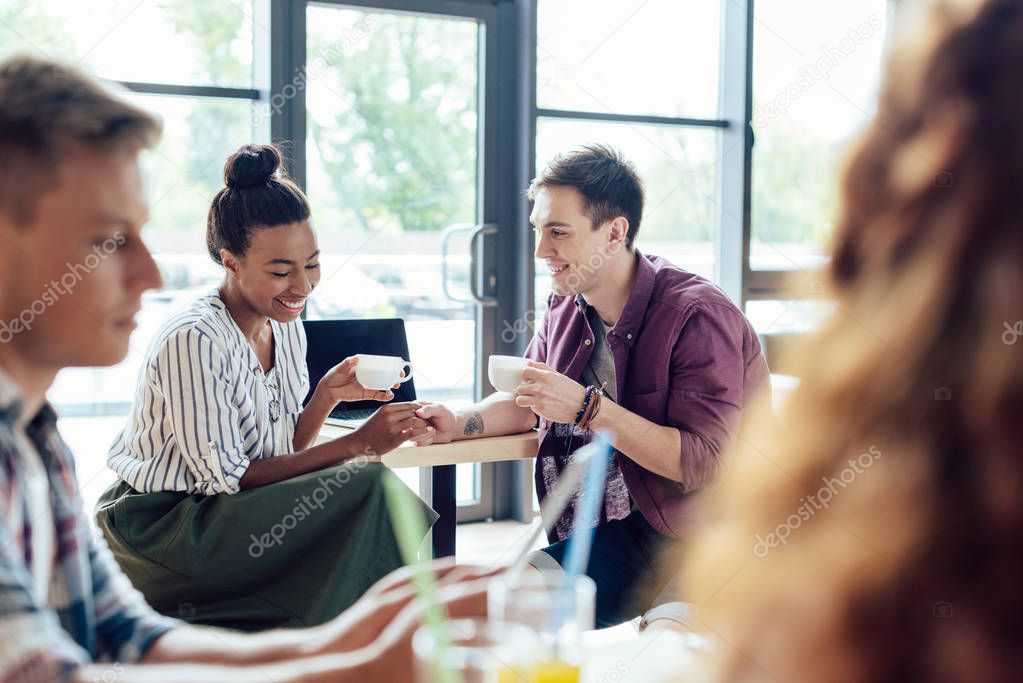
225, 512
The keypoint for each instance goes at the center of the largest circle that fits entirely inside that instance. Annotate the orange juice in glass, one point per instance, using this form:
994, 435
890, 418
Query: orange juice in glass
547, 671
557, 613
554, 671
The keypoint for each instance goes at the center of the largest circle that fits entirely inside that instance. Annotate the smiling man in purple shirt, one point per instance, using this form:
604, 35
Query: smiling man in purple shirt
677, 359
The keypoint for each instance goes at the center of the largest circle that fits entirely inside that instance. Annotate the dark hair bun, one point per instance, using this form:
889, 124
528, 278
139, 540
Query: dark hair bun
259, 194
252, 166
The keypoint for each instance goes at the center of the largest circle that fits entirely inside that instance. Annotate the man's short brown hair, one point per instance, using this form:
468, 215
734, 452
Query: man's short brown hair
48, 108
607, 181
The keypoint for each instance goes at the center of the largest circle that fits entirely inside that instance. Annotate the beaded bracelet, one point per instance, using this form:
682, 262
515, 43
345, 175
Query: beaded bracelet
586, 402
586, 416
584, 424
594, 408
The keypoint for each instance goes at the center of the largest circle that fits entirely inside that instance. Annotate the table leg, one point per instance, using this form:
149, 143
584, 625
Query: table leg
445, 504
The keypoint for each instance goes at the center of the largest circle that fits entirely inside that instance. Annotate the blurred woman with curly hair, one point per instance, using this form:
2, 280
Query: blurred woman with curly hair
876, 535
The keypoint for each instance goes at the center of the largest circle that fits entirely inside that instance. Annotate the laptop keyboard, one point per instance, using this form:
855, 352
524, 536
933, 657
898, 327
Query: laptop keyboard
357, 414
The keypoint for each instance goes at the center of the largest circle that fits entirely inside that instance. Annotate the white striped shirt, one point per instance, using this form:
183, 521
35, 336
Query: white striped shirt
204, 408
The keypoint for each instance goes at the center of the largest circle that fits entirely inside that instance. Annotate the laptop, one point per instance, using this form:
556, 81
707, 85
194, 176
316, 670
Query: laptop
331, 341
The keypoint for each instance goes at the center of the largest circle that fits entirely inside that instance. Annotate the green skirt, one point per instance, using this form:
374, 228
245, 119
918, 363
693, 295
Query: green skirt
291, 554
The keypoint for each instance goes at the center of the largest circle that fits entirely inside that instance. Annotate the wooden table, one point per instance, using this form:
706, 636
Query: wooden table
442, 459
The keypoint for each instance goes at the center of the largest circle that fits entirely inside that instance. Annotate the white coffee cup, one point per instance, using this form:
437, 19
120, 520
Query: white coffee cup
505, 372
381, 372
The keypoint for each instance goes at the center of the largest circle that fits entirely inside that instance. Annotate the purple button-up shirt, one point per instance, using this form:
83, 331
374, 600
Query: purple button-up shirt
685, 357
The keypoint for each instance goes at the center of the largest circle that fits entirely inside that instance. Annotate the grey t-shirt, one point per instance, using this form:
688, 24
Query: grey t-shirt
601, 367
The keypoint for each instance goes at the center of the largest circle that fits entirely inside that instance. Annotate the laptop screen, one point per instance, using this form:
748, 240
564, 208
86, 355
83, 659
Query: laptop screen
331, 341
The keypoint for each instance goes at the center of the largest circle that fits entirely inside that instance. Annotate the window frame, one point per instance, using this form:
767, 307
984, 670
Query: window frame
731, 241
279, 53
259, 93
797, 283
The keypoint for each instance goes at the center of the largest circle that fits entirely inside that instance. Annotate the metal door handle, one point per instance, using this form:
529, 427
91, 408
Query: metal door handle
477, 231
485, 229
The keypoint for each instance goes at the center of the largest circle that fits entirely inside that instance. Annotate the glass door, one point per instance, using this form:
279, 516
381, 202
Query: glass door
397, 168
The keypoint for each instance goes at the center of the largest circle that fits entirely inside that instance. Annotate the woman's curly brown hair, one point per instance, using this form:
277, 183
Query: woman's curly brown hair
910, 409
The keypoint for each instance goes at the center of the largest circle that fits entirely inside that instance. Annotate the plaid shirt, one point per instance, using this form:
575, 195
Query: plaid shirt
93, 613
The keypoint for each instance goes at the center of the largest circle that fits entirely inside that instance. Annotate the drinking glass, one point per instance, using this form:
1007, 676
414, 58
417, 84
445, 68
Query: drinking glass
475, 651
558, 613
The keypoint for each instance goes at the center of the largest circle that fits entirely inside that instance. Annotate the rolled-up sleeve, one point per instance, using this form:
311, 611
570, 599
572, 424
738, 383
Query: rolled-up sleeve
706, 395
33, 645
204, 415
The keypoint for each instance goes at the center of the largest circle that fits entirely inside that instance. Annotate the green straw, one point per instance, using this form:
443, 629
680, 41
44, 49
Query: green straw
410, 528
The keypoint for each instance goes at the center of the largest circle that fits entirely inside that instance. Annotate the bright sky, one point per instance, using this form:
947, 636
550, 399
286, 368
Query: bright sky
791, 35
134, 41
634, 56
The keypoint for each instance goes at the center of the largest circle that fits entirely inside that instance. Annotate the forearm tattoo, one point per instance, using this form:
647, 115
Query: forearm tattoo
474, 425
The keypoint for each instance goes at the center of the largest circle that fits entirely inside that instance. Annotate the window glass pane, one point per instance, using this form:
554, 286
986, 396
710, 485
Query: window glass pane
190, 42
815, 72
658, 57
182, 175
783, 317
467, 484
391, 150
782, 326
187, 168
678, 167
